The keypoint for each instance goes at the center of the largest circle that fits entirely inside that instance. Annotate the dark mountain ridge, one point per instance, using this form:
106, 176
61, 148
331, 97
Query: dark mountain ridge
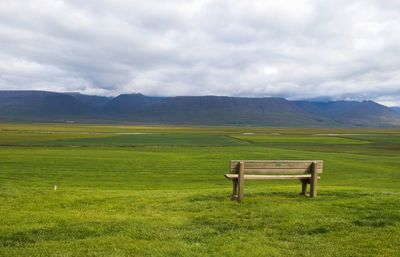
200, 110
40, 104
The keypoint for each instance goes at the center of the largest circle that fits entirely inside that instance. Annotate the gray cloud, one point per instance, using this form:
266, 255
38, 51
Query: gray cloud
295, 49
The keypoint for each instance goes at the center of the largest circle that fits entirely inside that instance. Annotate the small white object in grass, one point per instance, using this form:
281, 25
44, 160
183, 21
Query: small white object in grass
55, 187
248, 133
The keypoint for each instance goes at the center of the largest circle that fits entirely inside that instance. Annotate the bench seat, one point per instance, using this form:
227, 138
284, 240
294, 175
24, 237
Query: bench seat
305, 171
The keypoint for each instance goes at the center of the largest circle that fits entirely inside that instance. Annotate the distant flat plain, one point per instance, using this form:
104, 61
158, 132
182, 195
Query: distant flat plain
159, 191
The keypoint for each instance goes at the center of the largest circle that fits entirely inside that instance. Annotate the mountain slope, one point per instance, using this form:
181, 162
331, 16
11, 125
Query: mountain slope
353, 113
40, 105
211, 110
201, 110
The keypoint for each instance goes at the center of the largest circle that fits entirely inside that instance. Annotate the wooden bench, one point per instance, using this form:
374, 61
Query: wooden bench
305, 171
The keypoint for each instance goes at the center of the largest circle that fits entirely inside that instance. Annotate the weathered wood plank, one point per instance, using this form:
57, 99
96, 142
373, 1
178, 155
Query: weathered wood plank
268, 165
272, 161
279, 162
240, 182
277, 171
266, 177
314, 179
274, 164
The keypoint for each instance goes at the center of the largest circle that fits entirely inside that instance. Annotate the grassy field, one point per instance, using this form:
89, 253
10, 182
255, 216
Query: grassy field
160, 191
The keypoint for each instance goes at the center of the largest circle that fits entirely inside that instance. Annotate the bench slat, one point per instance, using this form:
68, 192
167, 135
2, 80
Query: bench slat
275, 171
266, 177
276, 166
258, 164
277, 161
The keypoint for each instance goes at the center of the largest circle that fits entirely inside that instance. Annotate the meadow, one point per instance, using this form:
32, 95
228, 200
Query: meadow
159, 191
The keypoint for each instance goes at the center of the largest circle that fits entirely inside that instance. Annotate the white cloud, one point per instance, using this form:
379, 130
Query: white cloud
294, 49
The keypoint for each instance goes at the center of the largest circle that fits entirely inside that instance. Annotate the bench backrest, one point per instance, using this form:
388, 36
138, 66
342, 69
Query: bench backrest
276, 167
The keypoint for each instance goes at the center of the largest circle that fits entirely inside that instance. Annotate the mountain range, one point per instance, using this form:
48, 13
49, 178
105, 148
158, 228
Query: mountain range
43, 106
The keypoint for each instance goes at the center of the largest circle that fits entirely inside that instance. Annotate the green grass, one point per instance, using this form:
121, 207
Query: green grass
144, 140
163, 194
323, 140
9, 138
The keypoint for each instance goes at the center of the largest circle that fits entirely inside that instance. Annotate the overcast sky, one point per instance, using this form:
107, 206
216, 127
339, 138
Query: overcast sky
294, 49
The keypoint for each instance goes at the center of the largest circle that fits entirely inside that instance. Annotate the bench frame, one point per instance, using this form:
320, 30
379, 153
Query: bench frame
306, 178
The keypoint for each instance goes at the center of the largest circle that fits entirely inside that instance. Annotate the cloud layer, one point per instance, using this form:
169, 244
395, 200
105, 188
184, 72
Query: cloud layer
294, 49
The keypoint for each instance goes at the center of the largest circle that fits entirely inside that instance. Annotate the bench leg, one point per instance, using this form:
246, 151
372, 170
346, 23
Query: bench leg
304, 183
240, 182
313, 182
234, 189
239, 197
